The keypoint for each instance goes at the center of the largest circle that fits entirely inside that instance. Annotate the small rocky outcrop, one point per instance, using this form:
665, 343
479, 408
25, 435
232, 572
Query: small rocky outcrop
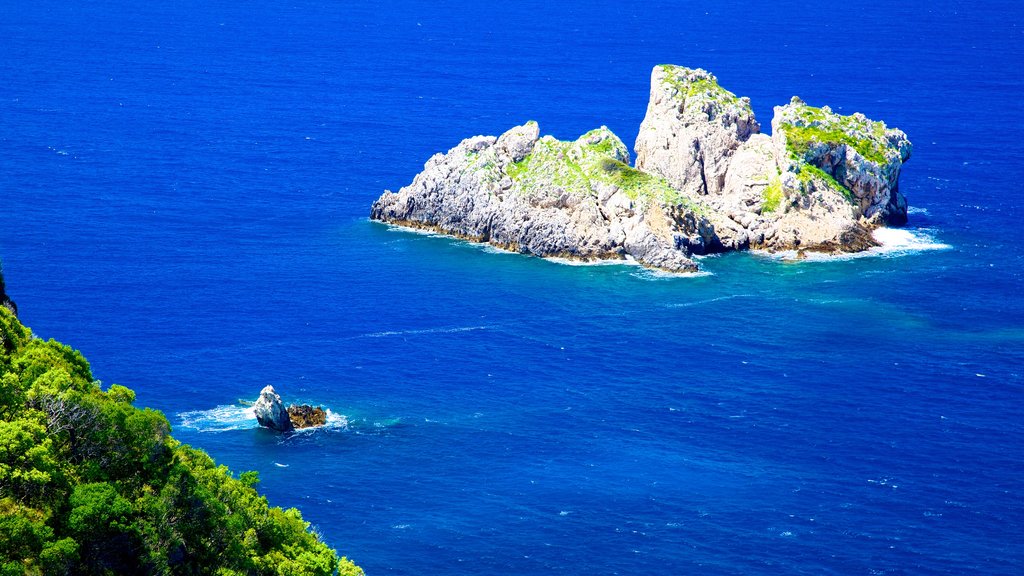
706, 180
305, 416
270, 411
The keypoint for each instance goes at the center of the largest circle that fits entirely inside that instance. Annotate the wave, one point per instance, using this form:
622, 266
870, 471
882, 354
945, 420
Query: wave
448, 330
219, 419
709, 301
492, 249
228, 418
893, 242
652, 274
905, 241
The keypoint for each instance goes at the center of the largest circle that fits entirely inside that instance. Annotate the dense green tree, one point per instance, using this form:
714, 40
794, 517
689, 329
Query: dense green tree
90, 484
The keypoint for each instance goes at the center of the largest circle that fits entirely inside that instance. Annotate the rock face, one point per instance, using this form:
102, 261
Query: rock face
5, 300
692, 129
706, 180
305, 416
579, 200
270, 411
859, 158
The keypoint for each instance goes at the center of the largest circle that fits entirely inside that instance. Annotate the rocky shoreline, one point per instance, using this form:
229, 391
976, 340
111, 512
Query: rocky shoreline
705, 180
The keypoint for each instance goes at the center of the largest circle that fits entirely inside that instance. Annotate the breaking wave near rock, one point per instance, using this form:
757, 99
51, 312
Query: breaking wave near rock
232, 417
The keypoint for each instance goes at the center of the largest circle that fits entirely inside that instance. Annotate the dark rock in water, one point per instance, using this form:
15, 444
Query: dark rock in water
305, 416
270, 411
5, 300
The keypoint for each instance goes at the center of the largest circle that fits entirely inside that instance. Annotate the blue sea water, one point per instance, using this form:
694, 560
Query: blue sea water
185, 189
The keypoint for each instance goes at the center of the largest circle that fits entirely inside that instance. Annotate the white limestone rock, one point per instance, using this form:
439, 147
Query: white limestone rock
691, 129
270, 411
863, 157
579, 200
706, 180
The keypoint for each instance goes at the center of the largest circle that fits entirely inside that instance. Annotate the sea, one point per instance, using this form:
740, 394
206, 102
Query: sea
185, 189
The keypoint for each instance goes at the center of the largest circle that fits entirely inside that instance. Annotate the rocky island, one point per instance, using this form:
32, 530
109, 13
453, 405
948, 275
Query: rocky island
271, 413
705, 180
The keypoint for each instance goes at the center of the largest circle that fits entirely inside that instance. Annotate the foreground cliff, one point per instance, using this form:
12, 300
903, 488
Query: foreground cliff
706, 180
90, 484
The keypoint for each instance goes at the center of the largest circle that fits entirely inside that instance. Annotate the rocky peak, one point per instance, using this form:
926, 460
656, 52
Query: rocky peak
691, 129
270, 411
852, 156
517, 143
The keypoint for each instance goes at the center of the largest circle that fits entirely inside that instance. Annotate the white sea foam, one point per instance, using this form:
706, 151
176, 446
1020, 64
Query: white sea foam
709, 301
227, 418
894, 242
906, 241
652, 274
627, 261
219, 419
492, 249
447, 330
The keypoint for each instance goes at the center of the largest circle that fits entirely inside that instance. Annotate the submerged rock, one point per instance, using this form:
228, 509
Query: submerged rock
270, 411
706, 180
305, 416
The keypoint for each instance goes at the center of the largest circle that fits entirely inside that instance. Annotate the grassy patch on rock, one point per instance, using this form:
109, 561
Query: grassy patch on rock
771, 196
807, 128
809, 172
698, 86
579, 167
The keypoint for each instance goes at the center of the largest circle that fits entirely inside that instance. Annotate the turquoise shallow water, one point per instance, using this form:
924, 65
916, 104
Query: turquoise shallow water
186, 189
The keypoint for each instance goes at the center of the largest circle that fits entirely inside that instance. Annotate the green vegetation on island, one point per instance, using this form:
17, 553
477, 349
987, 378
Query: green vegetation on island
90, 484
597, 157
807, 126
772, 195
813, 134
700, 87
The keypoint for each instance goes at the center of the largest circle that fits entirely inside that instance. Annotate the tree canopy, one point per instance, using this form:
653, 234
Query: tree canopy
89, 484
